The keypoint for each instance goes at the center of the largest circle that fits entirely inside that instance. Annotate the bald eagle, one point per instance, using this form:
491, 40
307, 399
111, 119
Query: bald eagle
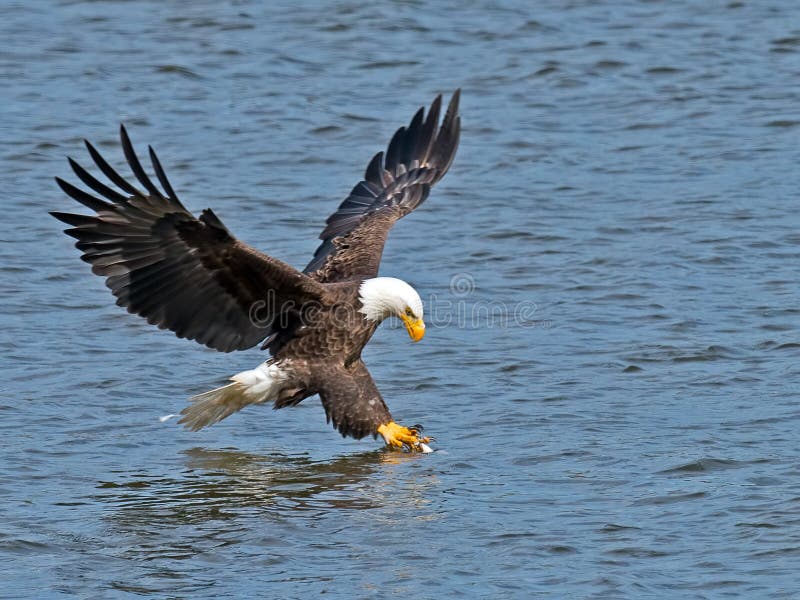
191, 275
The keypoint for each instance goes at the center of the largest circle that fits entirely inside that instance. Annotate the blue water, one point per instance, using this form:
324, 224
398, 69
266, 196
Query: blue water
613, 369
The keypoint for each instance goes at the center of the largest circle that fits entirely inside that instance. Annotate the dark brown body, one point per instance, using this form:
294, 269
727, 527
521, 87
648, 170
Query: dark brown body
321, 347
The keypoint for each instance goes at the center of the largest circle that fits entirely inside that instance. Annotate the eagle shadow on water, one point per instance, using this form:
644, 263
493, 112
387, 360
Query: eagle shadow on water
192, 276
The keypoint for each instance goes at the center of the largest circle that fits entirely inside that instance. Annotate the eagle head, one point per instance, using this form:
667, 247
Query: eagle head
383, 297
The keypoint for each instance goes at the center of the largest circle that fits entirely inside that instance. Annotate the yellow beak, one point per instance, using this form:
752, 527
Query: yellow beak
415, 327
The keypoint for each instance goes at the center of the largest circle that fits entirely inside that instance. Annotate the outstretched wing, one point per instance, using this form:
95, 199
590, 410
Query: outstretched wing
179, 272
394, 184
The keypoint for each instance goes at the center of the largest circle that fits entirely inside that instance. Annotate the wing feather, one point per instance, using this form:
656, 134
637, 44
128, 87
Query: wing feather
136, 166
182, 273
115, 177
395, 183
162, 176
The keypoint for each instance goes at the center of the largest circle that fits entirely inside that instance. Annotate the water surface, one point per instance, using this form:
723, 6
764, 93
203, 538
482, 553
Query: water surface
627, 173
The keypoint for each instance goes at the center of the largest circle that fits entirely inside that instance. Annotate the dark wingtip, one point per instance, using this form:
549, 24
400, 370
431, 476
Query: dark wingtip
72, 219
63, 217
135, 165
452, 108
374, 169
64, 185
437, 102
84, 198
162, 176
109, 172
124, 138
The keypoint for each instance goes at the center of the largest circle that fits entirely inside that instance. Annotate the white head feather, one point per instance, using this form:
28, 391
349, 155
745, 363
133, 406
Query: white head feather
384, 297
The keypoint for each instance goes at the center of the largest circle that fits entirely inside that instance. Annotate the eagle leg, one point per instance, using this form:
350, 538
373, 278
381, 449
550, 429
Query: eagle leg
399, 437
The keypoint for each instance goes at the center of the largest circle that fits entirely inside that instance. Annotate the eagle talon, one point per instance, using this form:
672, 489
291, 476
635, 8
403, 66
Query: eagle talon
397, 436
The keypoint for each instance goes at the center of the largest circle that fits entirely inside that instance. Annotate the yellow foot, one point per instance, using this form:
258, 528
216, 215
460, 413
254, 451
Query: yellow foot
397, 436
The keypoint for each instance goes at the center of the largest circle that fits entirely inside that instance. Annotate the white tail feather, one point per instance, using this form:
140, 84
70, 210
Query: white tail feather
259, 385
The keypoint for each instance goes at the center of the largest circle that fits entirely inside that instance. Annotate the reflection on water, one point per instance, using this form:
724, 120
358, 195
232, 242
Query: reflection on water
273, 509
223, 484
